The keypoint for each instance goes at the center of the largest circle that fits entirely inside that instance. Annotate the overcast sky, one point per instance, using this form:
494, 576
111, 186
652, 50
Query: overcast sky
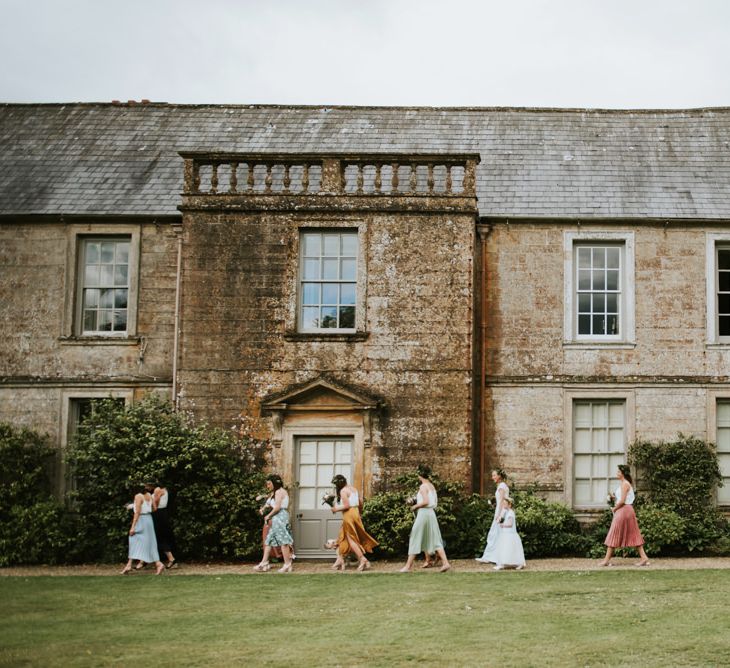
537, 53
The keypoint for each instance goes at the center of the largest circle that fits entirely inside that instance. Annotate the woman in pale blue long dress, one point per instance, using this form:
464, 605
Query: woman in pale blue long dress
142, 539
425, 533
500, 494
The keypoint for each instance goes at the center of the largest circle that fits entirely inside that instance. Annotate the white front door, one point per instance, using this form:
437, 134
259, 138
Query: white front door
317, 460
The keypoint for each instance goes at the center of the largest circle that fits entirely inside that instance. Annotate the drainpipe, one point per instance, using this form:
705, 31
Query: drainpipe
483, 230
176, 334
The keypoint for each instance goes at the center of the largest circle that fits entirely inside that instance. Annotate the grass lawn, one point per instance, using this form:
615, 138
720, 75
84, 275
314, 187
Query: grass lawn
606, 618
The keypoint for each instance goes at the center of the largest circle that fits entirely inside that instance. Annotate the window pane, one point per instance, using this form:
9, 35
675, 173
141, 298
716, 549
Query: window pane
92, 252
347, 317
329, 317
107, 252
91, 298
310, 318
106, 274
349, 244
310, 293
584, 279
307, 499
329, 293
612, 327
311, 244
348, 270
91, 276
584, 258
311, 269
347, 293
120, 321
599, 323
612, 280
342, 453
599, 258
122, 252
582, 440
331, 244
106, 298
724, 281
89, 321
723, 303
582, 492
120, 299
326, 454
584, 324
307, 475
613, 258
582, 467
612, 303
120, 274
583, 414
105, 321
599, 280
599, 303
724, 325
329, 269
723, 258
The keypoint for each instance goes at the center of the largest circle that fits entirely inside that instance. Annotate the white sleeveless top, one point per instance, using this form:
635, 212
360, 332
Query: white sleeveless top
630, 495
162, 503
432, 499
271, 501
354, 499
146, 508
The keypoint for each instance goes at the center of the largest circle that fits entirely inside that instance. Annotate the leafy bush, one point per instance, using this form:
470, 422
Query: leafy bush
547, 529
34, 527
660, 527
681, 476
211, 476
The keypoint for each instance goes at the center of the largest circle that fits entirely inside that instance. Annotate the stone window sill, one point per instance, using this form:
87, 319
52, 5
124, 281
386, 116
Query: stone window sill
99, 340
347, 337
598, 345
725, 345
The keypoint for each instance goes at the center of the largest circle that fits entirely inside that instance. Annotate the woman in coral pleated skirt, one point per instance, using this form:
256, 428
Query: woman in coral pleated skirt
624, 531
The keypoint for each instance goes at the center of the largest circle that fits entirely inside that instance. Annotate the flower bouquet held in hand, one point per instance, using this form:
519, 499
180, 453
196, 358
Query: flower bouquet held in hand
611, 500
329, 499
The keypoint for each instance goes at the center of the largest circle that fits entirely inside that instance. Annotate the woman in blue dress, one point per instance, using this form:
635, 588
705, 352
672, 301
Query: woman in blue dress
279, 534
142, 539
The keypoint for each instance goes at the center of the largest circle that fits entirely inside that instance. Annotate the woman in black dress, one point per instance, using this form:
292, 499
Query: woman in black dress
161, 519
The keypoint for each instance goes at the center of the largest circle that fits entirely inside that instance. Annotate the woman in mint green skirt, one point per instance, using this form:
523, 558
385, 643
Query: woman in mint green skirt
425, 534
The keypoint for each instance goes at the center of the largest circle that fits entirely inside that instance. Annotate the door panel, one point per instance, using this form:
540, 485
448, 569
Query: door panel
317, 460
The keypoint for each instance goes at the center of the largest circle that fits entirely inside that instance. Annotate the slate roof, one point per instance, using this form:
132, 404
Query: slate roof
123, 159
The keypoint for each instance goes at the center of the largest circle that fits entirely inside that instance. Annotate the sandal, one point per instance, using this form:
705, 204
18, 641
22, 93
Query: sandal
262, 567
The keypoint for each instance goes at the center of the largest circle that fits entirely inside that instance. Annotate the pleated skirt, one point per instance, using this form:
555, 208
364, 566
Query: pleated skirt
624, 531
163, 531
352, 528
425, 534
143, 545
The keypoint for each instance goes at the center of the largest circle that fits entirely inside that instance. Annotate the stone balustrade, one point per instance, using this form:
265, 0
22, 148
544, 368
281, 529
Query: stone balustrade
330, 174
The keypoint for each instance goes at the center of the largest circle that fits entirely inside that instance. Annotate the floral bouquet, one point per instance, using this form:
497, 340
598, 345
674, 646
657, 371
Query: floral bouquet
411, 501
329, 499
610, 500
262, 497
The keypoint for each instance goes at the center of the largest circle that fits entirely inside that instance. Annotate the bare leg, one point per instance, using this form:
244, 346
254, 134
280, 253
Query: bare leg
644, 558
607, 558
263, 565
127, 568
286, 552
444, 560
409, 563
159, 567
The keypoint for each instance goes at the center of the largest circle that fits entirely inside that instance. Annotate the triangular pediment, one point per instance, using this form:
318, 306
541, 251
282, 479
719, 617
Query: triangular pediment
320, 394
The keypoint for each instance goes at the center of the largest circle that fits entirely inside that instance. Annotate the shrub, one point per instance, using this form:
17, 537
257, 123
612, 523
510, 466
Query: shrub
34, 526
547, 529
211, 476
681, 476
660, 527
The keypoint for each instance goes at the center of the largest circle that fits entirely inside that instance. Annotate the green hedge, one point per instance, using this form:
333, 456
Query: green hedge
212, 476
34, 527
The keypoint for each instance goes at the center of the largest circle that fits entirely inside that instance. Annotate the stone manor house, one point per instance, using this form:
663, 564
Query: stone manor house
369, 288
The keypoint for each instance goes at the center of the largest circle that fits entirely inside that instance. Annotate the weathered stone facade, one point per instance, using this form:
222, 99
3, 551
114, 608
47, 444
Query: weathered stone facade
465, 351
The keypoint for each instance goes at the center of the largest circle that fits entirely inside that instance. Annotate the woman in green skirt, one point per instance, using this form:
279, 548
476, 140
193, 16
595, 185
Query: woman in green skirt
425, 534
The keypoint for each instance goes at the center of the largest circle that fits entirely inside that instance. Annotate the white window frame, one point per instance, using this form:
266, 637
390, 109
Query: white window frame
72, 329
627, 333
592, 394
324, 331
713, 398
713, 241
